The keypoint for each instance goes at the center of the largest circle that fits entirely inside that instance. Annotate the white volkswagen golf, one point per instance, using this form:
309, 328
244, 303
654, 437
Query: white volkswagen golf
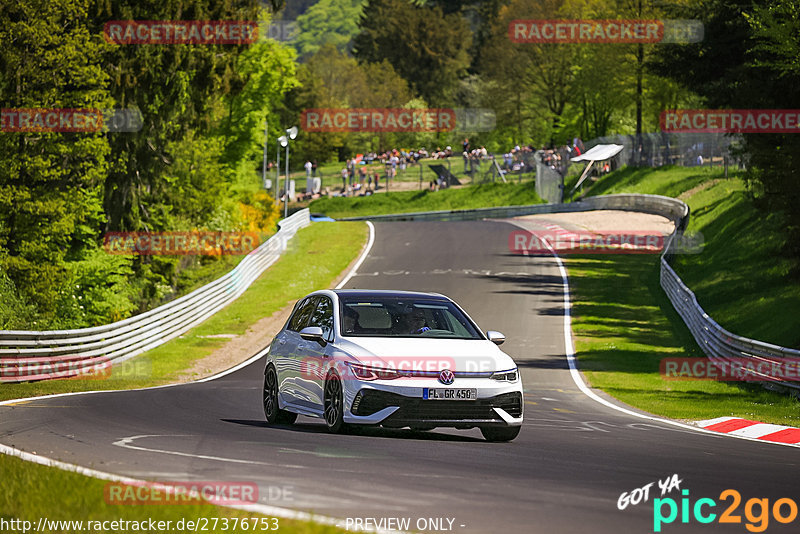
391, 358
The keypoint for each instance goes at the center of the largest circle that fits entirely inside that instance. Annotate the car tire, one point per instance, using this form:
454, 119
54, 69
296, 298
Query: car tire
500, 433
274, 415
333, 404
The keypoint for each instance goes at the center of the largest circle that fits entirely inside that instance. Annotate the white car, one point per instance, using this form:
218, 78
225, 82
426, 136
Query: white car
391, 358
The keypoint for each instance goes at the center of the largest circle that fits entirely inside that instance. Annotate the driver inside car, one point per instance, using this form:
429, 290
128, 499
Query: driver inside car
350, 320
416, 322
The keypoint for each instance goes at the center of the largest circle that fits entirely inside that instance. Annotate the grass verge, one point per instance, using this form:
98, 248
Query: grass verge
80, 499
314, 258
471, 197
624, 324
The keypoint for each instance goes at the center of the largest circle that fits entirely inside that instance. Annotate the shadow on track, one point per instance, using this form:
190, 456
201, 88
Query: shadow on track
364, 431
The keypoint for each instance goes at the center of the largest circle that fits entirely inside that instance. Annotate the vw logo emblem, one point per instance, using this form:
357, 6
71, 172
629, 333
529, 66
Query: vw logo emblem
446, 377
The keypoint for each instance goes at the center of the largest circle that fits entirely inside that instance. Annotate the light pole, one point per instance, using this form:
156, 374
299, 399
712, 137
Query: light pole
264, 166
283, 141
278, 170
291, 133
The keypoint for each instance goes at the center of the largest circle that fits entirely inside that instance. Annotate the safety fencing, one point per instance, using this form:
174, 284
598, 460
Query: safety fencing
721, 346
32, 355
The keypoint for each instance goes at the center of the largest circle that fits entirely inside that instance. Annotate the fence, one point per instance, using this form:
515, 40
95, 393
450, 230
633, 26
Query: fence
549, 182
31, 355
658, 149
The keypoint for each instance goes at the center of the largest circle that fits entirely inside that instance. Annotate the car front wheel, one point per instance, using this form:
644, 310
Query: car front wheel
274, 415
334, 404
500, 433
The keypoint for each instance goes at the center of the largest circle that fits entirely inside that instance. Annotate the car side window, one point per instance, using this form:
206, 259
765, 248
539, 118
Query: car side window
323, 317
301, 317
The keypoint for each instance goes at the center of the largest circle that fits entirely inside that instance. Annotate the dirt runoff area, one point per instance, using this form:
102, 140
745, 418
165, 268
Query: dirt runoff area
600, 221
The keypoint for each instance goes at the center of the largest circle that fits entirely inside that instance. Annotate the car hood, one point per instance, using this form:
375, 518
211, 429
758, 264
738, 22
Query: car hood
429, 354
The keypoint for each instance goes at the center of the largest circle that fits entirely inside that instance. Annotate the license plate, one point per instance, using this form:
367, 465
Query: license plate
450, 393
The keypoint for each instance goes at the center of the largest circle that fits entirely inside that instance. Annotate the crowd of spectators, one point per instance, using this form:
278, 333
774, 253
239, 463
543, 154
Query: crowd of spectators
364, 174
558, 158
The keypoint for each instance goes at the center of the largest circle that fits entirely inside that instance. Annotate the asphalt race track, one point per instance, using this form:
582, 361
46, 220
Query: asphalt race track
564, 473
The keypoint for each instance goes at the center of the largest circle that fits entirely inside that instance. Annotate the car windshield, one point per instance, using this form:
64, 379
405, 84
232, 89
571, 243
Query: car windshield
404, 317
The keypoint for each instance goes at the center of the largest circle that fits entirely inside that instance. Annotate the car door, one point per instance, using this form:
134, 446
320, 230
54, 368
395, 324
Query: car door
315, 356
285, 350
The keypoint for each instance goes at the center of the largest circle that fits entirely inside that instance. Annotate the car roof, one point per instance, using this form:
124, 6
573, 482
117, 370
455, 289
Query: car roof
367, 293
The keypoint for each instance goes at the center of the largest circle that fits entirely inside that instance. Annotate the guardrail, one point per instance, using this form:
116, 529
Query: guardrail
656, 204
31, 355
717, 343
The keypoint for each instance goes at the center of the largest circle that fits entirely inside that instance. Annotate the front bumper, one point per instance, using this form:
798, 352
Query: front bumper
396, 407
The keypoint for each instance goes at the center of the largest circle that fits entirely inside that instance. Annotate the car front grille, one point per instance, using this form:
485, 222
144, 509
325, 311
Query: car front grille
368, 402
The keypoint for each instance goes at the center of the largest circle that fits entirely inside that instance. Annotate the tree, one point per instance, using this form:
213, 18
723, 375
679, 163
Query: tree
50, 182
535, 80
774, 76
429, 49
175, 87
328, 22
264, 72
333, 79
748, 59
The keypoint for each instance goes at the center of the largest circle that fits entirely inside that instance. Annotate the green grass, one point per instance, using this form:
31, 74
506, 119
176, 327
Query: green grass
475, 196
624, 324
331, 246
742, 279
669, 181
61, 495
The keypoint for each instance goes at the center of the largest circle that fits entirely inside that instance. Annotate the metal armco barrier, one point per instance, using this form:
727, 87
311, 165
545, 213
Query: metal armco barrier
717, 343
656, 204
30, 355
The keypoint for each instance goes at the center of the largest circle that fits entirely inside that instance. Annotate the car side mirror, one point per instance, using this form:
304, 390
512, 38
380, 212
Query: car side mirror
313, 333
495, 337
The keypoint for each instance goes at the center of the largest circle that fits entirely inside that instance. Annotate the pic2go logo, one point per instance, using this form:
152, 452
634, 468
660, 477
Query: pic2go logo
756, 511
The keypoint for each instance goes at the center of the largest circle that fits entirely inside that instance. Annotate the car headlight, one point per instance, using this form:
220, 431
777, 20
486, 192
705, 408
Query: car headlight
506, 376
364, 372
